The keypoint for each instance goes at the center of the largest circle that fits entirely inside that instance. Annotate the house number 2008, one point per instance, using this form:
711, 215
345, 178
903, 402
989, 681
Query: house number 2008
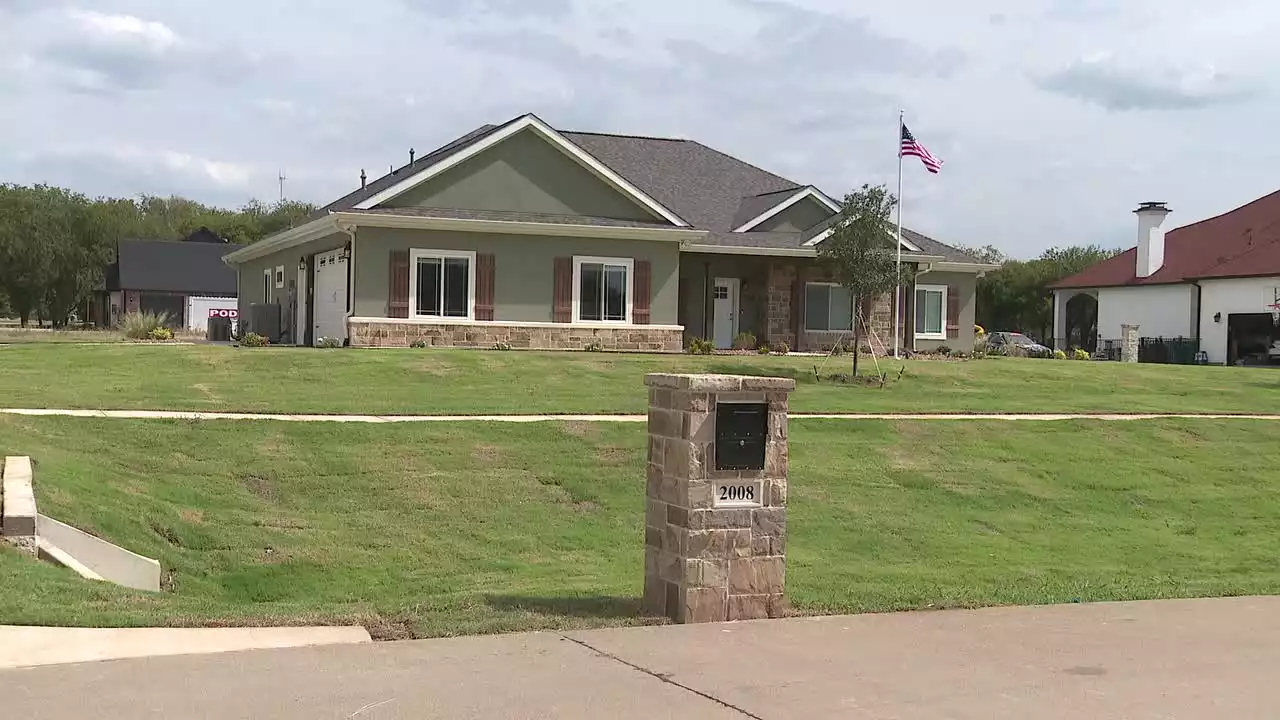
737, 492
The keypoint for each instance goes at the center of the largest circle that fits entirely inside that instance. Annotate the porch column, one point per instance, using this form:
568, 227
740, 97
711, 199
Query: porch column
1060, 300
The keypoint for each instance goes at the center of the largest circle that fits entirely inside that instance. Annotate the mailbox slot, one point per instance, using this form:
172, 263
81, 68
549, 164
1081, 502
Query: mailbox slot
741, 432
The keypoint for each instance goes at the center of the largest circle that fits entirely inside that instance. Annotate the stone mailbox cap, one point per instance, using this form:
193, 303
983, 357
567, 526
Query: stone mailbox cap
719, 383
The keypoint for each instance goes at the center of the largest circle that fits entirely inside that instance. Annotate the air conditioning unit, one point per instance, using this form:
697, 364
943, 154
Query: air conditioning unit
265, 320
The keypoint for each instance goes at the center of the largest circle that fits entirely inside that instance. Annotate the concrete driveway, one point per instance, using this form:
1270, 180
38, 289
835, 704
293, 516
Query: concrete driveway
1164, 659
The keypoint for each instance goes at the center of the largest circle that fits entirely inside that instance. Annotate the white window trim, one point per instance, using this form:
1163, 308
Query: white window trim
267, 282
578, 261
279, 277
852, 302
417, 254
938, 289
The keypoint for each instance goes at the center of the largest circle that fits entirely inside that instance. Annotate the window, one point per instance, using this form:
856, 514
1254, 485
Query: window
721, 292
266, 285
442, 284
827, 307
602, 289
279, 276
931, 312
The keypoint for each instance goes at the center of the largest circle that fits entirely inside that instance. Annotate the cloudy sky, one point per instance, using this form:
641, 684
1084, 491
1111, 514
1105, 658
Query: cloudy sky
1055, 117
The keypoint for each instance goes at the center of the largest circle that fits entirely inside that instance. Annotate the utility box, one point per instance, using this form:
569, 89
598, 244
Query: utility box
741, 432
716, 497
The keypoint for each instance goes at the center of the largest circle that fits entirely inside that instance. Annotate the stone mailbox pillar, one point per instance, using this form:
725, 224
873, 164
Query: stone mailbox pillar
716, 507
1129, 343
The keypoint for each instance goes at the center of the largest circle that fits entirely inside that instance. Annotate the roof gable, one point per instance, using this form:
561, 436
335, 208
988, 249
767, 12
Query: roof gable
478, 145
523, 174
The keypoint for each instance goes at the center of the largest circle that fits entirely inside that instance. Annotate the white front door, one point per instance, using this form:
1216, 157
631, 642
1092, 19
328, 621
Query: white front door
724, 311
330, 314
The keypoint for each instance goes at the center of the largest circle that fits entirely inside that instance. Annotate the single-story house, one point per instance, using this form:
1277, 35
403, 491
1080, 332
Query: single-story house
1215, 282
530, 236
185, 279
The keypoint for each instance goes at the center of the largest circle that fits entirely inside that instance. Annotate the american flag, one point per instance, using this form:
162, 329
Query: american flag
911, 148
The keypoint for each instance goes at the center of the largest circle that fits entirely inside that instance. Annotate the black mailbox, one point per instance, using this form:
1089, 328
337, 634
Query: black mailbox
741, 432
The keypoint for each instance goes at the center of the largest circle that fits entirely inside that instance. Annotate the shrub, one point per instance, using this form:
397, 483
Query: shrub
594, 346
502, 346
780, 348
329, 342
254, 340
763, 349
1080, 354
160, 334
138, 325
419, 344
701, 346
744, 341
1059, 355
836, 349
944, 350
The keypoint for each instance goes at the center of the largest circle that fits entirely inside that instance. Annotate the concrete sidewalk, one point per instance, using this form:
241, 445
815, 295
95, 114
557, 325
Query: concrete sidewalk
286, 417
1165, 659
23, 646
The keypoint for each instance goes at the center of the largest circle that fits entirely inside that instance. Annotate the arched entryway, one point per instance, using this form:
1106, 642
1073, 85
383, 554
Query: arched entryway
1080, 329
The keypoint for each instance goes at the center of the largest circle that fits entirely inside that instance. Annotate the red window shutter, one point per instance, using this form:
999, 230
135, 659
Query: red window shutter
484, 285
953, 312
562, 299
642, 293
398, 285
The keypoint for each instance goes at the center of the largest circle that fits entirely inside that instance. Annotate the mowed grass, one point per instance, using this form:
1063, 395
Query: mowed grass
290, 380
425, 530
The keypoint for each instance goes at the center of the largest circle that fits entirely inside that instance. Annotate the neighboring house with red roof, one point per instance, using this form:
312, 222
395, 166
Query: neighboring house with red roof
524, 235
1216, 281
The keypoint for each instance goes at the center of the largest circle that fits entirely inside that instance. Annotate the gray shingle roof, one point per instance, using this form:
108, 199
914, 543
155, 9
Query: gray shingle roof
194, 268
549, 218
707, 188
701, 185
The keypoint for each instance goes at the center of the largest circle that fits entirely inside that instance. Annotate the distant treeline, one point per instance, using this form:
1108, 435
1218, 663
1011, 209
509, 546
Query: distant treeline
56, 243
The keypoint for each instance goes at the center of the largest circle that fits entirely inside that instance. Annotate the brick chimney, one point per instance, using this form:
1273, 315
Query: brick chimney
1151, 216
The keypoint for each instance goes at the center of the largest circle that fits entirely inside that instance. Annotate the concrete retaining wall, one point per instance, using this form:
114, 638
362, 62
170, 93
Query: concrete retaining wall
18, 522
109, 562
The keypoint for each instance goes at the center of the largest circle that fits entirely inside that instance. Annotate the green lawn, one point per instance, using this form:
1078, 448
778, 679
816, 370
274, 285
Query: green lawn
128, 376
419, 530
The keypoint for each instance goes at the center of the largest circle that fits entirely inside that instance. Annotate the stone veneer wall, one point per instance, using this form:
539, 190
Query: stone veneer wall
636, 338
782, 281
705, 563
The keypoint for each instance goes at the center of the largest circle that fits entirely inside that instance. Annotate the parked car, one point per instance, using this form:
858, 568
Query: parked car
1273, 352
1016, 343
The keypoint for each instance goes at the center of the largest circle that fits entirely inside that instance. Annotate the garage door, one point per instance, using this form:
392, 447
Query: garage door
173, 307
330, 314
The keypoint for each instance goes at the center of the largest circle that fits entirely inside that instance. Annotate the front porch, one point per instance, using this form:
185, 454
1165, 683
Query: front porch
778, 299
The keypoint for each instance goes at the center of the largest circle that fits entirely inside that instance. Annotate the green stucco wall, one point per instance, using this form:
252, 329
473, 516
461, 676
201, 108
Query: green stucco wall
524, 268
967, 283
251, 273
523, 173
797, 218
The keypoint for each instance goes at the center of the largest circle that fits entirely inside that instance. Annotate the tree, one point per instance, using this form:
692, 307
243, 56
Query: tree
859, 252
1017, 296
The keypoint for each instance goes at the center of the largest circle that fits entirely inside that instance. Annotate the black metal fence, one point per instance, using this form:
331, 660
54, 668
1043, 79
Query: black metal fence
1169, 351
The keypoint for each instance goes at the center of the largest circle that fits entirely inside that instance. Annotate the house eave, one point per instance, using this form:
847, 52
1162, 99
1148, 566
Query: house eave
334, 222
513, 227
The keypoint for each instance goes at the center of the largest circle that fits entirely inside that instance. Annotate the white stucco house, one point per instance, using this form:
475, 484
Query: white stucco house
1216, 281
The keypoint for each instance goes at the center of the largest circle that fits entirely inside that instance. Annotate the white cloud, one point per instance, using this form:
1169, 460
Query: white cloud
125, 30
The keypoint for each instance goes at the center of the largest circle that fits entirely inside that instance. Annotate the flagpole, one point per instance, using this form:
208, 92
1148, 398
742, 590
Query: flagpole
897, 295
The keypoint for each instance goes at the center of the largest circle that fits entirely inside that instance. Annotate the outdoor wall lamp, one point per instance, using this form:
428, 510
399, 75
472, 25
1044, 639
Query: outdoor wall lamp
346, 251
1217, 317
302, 264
